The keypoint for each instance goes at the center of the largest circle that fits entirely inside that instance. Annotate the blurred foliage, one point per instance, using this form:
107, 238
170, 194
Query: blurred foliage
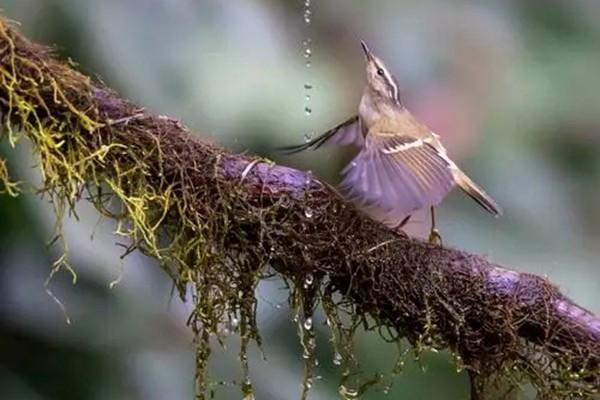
510, 86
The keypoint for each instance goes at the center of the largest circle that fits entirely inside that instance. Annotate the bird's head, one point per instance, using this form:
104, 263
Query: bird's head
379, 79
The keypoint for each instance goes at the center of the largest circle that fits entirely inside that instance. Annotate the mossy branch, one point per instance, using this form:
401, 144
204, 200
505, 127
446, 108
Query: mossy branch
220, 222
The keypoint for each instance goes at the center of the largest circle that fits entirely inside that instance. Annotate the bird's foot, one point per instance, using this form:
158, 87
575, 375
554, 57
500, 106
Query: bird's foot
399, 229
435, 237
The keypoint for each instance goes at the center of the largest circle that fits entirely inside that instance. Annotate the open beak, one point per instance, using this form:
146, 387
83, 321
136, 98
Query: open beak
365, 48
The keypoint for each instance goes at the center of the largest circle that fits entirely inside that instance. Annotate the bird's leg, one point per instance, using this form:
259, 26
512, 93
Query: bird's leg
404, 221
434, 235
398, 229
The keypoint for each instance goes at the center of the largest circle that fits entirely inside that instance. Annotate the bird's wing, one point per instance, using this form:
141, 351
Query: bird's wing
347, 133
399, 174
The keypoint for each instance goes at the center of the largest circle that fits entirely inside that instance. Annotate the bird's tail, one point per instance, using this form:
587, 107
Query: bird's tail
477, 193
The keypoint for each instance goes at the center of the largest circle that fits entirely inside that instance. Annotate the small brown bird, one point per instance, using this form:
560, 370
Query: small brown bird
402, 165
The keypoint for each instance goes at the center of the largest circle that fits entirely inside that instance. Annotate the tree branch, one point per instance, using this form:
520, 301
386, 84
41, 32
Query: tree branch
216, 220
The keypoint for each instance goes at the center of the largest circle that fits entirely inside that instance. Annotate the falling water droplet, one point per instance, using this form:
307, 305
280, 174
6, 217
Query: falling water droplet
308, 136
337, 359
307, 53
307, 17
308, 324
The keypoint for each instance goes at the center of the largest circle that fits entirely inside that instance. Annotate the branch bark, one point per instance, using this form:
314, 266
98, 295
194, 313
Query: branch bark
497, 320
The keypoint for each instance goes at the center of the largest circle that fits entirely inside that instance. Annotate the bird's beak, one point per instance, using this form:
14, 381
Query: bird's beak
365, 48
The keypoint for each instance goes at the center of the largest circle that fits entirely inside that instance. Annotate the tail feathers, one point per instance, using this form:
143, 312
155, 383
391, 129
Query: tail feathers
346, 133
314, 144
477, 194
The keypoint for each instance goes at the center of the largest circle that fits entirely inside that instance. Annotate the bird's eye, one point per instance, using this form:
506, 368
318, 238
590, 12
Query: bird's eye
380, 72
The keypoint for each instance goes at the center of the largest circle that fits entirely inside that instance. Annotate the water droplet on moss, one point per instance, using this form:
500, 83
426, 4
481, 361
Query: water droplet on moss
308, 179
308, 212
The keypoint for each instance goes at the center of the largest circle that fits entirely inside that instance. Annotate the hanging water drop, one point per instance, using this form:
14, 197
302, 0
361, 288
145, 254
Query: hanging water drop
337, 358
308, 323
307, 110
348, 392
308, 136
307, 52
308, 281
308, 86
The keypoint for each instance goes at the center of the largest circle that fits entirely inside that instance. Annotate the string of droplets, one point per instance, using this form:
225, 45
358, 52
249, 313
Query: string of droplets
307, 54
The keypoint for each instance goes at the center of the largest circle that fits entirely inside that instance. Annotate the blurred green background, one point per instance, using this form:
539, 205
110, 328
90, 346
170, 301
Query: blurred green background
511, 87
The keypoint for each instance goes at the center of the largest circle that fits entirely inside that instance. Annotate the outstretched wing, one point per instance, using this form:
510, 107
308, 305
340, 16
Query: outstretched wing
347, 133
399, 174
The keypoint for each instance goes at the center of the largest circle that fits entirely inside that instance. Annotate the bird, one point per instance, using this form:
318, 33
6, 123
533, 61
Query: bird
402, 165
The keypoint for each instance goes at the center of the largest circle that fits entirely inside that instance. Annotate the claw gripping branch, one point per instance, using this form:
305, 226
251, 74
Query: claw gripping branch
219, 222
